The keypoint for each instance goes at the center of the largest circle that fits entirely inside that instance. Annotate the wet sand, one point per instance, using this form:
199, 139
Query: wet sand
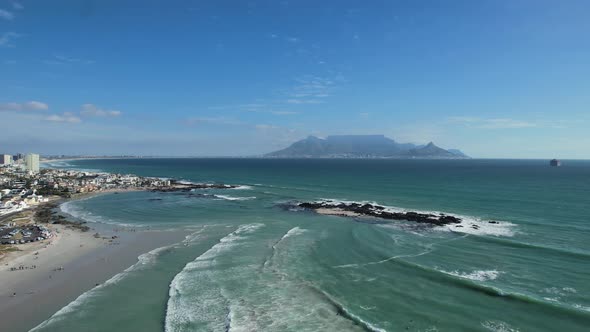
72, 264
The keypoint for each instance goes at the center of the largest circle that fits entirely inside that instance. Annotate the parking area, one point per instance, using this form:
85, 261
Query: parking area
23, 234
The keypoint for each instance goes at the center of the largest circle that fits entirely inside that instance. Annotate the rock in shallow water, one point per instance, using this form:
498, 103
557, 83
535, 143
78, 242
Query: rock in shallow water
378, 211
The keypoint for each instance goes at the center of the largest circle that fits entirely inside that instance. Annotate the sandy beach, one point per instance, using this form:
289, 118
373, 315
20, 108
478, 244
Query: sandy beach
52, 273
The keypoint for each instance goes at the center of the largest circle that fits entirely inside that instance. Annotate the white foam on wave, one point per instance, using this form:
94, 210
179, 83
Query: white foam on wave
290, 304
186, 182
368, 308
212, 184
143, 260
560, 296
498, 326
428, 248
150, 257
478, 275
232, 198
355, 265
72, 208
392, 209
560, 291
213, 294
242, 187
180, 310
368, 325
570, 289
293, 232
469, 224
476, 226
581, 307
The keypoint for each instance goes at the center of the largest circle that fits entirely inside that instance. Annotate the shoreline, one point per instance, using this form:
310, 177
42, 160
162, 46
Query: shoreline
40, 278
50, 274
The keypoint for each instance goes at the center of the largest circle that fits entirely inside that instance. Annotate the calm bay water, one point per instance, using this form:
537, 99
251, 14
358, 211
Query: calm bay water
250, 265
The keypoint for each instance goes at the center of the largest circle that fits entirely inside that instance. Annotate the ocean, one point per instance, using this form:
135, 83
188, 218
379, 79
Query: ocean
249, 264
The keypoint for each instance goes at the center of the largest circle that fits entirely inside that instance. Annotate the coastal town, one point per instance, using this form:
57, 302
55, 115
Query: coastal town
23, 184
25, 187
41, 247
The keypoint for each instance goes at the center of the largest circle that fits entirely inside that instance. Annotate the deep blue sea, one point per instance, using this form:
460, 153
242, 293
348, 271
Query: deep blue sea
250, 265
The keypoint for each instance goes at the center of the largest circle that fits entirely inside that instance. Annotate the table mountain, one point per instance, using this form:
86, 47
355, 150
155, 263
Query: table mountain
361, 146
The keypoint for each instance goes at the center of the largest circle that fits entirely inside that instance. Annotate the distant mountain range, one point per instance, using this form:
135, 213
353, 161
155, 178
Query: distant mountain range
363, 146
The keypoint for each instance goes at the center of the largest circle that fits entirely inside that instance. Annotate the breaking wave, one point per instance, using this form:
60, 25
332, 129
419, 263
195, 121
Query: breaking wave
498, 326
72, 208
242, 187
293, 231
180, 310
479, 275
232, 198
143, 261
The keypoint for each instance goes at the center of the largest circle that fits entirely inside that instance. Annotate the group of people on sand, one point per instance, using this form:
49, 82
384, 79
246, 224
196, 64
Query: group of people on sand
21, 267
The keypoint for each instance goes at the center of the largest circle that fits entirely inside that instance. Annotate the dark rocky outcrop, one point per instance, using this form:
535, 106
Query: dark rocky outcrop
377, 211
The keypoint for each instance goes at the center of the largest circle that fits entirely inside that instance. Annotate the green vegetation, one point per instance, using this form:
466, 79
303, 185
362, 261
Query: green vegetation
6, 249
46, 191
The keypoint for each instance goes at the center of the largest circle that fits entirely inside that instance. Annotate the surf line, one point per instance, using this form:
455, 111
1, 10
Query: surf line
430, 248
293, 231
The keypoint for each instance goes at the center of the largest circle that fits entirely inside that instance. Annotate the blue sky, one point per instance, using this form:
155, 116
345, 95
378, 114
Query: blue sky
506, 79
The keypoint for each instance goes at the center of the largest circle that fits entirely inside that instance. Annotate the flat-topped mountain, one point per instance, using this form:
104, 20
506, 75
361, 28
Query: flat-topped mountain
362, 146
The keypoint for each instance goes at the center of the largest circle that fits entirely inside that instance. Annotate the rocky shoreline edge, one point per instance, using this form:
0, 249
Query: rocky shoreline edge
369, 210
180, 187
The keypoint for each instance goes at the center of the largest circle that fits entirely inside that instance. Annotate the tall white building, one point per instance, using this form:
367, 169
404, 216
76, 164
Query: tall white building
32, 162
6, 159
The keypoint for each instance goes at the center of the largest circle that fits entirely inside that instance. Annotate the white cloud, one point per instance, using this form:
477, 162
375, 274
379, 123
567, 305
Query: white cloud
7, 37
506, 124
253, 108
63, 60
283, 112
36, 106
93, 110
311, 89
306, 90
212, 120
70, 59
5, 14
304, 101
26, 106
493, 123
66, 117
17, 6
266, 127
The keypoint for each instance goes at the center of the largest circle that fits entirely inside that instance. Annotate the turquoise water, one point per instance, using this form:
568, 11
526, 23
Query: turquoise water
250, 265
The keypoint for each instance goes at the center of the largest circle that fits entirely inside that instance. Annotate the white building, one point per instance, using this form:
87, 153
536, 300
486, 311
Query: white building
6, 159
32, 162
